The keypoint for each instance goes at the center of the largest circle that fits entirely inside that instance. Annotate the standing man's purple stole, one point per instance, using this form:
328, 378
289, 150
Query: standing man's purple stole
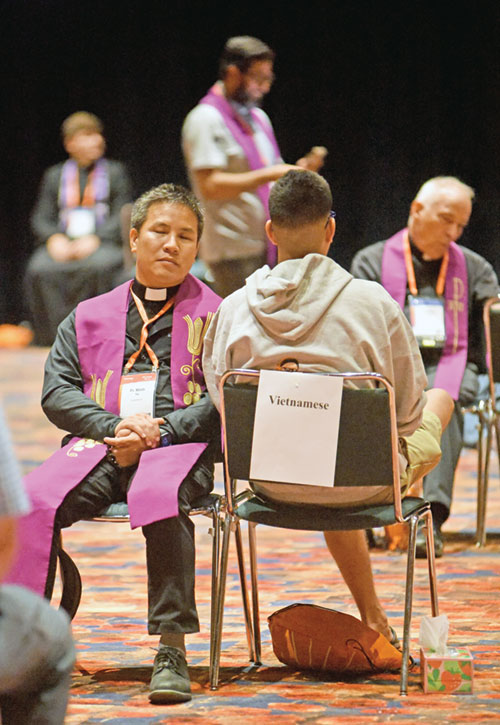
216, 98
153, 495
451, 366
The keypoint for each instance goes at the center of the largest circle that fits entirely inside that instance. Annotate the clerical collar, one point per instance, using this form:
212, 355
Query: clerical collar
153, 294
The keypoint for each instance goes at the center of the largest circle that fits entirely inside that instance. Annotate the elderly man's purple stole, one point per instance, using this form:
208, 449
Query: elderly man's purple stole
100, 330
244, 137
96, 193
451, 367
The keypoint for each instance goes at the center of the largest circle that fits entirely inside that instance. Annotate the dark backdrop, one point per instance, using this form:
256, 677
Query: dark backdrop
398, 92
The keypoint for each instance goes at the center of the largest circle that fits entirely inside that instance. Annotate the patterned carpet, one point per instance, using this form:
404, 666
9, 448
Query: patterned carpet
115, 654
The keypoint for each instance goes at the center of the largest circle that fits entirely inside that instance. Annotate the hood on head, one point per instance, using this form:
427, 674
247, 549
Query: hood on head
288, 301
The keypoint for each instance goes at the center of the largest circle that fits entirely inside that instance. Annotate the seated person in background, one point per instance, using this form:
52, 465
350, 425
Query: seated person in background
36, 646
76, 224
310, 309
442, 288
152, 328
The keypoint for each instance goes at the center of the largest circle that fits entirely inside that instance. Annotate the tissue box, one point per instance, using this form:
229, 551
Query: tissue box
449, 673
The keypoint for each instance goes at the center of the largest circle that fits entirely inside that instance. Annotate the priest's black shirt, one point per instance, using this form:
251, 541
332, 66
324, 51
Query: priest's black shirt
66, 405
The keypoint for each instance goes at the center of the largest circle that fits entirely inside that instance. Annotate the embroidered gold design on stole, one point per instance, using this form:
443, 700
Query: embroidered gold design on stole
98, 390
80, 446
456, 307
196, 334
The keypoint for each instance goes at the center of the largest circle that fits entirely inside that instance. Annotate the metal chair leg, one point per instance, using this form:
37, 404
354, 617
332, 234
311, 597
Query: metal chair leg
215, 584
483, 487
244, 592
252, 540
481, 463
219, 605
431, 564
410, 571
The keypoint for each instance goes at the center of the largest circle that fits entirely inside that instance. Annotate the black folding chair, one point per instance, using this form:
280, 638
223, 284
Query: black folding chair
367, 455
488, 412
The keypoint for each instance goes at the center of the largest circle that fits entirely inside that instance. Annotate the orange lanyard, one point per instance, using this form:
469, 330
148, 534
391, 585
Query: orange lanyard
74, 195
410, 270
144, 332
88, 193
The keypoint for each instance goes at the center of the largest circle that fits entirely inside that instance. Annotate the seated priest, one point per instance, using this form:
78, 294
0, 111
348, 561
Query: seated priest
310, 309
124, 377
76, 224
441, 286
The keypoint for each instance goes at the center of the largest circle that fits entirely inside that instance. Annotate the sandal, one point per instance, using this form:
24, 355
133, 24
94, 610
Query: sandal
394, 640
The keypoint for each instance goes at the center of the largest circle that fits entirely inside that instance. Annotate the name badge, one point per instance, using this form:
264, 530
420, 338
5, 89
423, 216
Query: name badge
427, 319
80, 222
137, 394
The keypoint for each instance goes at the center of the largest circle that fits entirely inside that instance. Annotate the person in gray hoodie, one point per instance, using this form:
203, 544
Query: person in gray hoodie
312, 310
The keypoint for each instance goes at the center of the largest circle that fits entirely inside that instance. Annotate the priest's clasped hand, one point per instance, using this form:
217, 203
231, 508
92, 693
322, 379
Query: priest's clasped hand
133, 435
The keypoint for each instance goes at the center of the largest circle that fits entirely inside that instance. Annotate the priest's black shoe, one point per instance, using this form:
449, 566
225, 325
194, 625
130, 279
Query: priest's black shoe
421, 547
170, 681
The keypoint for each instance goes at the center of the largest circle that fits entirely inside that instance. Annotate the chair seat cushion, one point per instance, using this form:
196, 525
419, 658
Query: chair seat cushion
119, 510
308, 637
324, 518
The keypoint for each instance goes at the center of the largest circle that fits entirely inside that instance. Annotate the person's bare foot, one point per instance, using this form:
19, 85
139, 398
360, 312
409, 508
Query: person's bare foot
383, 628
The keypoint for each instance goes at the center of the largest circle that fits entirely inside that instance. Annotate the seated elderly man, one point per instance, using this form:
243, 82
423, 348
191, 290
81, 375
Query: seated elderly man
442, 287
77, 228
311, 309
125, 370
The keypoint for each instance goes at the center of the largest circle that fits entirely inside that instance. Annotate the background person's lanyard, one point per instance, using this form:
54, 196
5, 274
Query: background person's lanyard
427, 314
410, 270
144, 332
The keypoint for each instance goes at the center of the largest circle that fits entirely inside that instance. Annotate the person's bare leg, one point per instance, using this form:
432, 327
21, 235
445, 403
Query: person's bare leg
441, 403
350, 548
350, 551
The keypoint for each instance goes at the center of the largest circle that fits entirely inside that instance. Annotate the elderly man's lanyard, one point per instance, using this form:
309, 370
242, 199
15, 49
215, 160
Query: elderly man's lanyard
427, 314
137, 390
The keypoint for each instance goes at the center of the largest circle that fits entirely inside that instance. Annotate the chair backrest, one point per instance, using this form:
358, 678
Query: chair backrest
491, 317
367, 449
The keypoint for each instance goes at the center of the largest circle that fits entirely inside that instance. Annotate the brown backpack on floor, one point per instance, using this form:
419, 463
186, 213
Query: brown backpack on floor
308, 637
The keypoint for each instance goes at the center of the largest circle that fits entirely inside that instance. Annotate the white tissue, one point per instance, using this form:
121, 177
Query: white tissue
434, 633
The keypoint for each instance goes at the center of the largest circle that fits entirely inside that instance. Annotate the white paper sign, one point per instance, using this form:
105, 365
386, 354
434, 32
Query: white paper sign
296, 428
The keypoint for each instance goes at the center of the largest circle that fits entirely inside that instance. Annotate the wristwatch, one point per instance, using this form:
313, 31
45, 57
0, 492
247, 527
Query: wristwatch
165, 440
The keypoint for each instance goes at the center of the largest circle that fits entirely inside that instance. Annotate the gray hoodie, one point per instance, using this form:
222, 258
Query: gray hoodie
312, 310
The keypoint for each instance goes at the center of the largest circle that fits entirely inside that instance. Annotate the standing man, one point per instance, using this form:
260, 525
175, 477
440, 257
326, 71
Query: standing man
76, 224
232, 157
441, 287
124, 378
36, 646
